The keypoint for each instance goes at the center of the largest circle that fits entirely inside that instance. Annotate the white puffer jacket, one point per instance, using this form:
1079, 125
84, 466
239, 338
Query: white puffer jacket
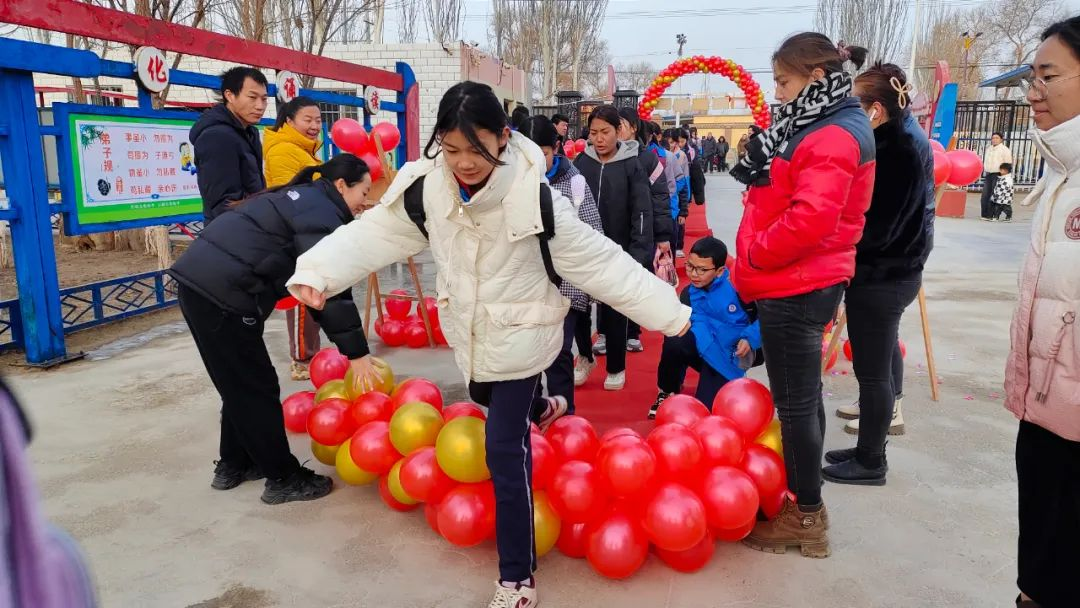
499, 312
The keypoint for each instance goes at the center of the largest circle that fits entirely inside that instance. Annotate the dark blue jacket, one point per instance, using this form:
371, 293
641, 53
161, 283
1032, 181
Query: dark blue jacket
228, 160
718, 320
242, 261
926, 154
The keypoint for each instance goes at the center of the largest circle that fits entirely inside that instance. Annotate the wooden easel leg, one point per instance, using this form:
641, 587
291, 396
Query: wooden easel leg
834, 343
420, 303
931, 365
367, 305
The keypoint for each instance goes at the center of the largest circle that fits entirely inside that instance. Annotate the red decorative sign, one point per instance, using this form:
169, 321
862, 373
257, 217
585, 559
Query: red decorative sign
755, 98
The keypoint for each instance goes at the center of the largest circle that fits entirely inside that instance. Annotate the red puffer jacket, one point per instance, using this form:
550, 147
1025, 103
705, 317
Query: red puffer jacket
799, 228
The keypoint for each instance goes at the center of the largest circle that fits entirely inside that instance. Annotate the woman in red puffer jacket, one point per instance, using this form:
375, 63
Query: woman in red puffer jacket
811, 175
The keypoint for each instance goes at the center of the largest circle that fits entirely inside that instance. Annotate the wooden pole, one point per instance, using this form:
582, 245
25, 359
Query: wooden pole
838, 329
931, 366
421, 308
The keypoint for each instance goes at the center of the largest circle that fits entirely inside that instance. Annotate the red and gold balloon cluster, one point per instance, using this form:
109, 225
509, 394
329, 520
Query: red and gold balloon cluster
755, 98
696, 479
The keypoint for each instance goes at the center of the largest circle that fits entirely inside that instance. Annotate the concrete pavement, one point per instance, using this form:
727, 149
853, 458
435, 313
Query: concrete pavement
124, 448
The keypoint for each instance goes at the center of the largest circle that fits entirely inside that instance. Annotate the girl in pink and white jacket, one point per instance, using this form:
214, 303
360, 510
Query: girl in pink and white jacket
1042, 380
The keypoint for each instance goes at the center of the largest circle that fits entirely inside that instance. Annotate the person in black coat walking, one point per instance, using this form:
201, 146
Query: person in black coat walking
228, 153
229, 280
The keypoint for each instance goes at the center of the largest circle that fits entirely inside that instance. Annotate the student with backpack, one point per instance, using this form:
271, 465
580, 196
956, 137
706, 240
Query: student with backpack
501, 238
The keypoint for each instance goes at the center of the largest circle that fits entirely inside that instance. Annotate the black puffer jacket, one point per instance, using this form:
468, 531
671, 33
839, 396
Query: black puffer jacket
228, 160
895, 242
658, 191
622, 193
242, 261
697, 178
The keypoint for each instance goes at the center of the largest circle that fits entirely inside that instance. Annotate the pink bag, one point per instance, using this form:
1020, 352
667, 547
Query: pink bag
664, 267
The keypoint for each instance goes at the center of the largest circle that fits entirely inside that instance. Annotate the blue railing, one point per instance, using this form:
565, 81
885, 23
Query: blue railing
9, 327
93, 304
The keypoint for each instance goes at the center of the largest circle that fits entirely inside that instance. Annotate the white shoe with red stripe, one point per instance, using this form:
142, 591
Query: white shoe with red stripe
520, 596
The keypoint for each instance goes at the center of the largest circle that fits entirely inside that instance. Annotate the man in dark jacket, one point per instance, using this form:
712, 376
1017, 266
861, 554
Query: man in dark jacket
228, 153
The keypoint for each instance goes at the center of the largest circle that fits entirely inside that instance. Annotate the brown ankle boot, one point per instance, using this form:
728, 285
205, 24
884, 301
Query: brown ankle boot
791, 528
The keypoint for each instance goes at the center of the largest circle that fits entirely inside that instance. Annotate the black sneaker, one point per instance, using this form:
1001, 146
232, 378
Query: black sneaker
853, 472
655, 406
304, 484
838, 456
227, 476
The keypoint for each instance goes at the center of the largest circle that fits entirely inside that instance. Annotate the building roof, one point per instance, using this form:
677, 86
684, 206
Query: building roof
1007, 80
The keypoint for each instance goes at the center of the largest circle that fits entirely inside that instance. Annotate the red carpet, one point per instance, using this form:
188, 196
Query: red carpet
630, 406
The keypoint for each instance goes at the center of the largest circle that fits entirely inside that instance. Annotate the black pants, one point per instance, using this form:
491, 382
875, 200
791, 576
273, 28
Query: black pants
1048, 481
583, 333
235, 356
791, 333
615, 327
681, 352
873, 312
560, 374
989, 181
680, 236
1002, 209
509, 458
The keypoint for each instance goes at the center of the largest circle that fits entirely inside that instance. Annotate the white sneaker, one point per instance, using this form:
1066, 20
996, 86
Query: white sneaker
556, 408
896, 427
848, 412
582, 369
521, 597
634, 345
615, 382
679, 254
600, 347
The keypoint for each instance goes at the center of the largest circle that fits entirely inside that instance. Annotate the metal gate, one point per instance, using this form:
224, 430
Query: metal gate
977, 121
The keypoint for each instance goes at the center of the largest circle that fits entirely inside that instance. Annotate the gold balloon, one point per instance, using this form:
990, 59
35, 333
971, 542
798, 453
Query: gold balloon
331, 390
348, 471
460, 450
355, 388
546, 523
324, 453
393, 482
770, 438
415, 425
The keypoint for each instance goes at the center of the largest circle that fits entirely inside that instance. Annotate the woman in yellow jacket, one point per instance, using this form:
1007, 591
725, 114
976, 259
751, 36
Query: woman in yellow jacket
288, 148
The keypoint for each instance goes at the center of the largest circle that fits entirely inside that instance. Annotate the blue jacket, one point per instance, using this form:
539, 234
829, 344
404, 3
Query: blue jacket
718, 321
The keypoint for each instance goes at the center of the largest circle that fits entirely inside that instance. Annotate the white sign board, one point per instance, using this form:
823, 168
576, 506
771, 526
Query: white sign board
288, 86
151, 69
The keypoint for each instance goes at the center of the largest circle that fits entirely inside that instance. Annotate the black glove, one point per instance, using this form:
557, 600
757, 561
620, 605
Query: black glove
747, 169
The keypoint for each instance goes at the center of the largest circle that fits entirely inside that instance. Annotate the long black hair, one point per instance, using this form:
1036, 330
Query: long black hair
804, 52
541, 130
607, 113
289, 110
468, 106
631, 117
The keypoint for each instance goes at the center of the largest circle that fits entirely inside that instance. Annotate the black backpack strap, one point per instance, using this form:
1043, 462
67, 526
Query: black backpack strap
547, 218
414, 205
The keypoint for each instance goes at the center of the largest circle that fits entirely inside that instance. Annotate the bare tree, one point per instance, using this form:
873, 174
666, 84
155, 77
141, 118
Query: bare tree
407, 22
943, 39
444, 19
249, 19
1015, 27
584, 20
310, 25
878, 25
638, 75
594, 69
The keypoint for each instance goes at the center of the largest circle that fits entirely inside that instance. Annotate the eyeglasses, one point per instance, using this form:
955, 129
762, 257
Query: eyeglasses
697, 270
1040, 86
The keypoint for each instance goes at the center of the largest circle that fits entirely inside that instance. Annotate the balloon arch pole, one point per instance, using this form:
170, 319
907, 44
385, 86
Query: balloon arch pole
699, 64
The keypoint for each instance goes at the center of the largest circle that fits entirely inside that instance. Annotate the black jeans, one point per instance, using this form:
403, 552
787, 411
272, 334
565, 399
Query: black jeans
509, 458
560, 374
614, 326
874, 309
989, 181
583, 332
1002, 209
791, 333
681, 352
235, 356
1048, 483
680, 236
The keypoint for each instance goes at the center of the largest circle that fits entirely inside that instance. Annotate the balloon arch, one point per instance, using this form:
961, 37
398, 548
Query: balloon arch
755, 98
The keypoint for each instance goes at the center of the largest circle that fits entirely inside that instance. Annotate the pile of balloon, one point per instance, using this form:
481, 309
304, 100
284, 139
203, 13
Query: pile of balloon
401, 328
350, 136
834, 357
955, 167
755, 97
574, 147
695, 480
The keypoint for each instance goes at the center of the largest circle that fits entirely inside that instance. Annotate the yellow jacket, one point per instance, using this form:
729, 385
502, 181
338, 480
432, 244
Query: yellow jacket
285, 153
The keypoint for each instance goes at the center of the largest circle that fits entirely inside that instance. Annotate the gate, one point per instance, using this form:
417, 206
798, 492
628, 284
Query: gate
976, 122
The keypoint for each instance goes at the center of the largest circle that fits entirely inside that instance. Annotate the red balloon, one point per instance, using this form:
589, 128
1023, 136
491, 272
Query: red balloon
349, 135
833, 358
747, 403
431, 514
730, 498
576, 492
966, 167
422, 478
286, 303
462, 408
440, 338
617, 546
847, 350
432, 308
544, 463
721, 442
693, 559
374, 165
371, 449
398, 305
388, 498
735, 535
416, 336
417, 389
393, 332
329, 422
675, 518
573, 439
627, 464
618, 431
903, 349
378, 326
296, 408
573, 539
681, 409
389, 136
678, 452
580, 145
569, 149
327, 364
942, 168
369, 407
467, 514
766, 469
936, 146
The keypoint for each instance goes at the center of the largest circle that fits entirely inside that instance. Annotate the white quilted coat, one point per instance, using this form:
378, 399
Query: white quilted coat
499, 312
1042, 378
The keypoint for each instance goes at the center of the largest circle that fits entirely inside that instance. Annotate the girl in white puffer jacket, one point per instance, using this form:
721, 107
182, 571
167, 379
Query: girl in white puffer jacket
499, 311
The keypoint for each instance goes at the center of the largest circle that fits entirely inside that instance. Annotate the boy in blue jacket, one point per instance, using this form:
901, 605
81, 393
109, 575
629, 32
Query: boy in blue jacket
724, 338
